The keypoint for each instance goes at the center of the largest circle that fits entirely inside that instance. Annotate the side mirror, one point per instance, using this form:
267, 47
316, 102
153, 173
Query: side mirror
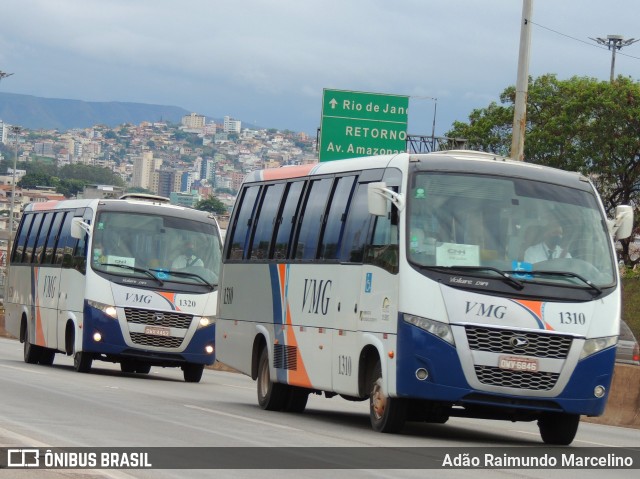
376, 200
622, 226
79, 228
377, 196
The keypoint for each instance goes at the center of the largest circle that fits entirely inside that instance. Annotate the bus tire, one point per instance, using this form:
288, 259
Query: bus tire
387, 414
192, 372
144, 368
128, 366
82, 361
271, 396
296, 400
558, 429
32, 352
46, 356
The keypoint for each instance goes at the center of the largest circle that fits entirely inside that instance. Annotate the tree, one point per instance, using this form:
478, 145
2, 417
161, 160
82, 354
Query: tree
580, 124
212, 205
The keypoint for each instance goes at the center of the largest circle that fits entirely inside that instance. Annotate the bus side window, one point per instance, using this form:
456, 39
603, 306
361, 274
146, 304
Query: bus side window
54, 234
265, 222
31, 237
21, 238
285, 221
308, 235
66, 243
356, 227
334, 229
42, 238
383, 250
242, 227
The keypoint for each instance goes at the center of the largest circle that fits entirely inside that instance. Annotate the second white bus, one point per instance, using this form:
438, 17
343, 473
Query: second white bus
126, 281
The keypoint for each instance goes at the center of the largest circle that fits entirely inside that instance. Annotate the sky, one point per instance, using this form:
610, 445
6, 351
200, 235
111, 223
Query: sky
266, 62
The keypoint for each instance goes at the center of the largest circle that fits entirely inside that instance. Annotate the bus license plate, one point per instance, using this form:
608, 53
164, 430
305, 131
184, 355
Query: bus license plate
517, 363
157, 331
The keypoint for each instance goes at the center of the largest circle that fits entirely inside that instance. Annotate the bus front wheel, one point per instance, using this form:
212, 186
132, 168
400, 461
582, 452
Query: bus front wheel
387, 414
192, 372
82, 362
558, 429
271, 396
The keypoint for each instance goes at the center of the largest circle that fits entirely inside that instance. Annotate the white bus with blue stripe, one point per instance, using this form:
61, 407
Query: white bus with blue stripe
408, 281
126, 281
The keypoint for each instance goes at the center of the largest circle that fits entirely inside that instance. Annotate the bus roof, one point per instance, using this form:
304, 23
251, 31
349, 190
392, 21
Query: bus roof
448, 160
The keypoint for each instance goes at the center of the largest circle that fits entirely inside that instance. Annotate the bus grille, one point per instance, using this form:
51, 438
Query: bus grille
503, 341
167, 319
285, 357
156, 341
538, 381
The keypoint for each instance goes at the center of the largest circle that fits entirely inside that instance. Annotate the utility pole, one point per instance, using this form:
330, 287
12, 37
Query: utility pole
613, 43
522, 84
16, 131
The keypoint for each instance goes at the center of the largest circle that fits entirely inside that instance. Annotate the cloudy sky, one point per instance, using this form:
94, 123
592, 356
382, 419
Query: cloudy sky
266, 62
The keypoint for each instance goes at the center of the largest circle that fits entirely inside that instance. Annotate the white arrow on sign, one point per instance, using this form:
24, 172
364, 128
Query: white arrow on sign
333, 103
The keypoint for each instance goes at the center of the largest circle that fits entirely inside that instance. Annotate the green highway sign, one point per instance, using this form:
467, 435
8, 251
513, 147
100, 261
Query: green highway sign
362, 124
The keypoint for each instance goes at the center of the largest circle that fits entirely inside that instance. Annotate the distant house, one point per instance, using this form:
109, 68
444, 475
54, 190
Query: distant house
102, 192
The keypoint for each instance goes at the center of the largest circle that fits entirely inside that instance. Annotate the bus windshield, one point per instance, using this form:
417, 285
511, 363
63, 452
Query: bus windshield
534, 231
166, 248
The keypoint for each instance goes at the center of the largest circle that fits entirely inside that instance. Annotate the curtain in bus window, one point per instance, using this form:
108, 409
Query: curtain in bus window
265, 222
309, 233
240, 235
336, 217
285, 223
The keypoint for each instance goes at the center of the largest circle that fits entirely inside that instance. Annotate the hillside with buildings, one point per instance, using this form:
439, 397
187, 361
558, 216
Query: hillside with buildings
187, 162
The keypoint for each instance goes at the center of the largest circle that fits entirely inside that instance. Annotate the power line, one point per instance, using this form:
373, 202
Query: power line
581, 41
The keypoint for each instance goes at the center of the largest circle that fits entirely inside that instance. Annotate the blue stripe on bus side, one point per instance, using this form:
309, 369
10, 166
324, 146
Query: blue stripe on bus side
278, 301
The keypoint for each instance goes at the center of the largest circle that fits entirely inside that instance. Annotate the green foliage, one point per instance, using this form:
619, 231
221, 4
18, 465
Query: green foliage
580, 124
211, 204
631, 300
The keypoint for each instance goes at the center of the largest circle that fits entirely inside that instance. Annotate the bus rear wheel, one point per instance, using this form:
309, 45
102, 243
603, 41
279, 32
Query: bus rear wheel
387, 414
296, 399
558, 429
32, 352
46, 356
192, 372
271, 396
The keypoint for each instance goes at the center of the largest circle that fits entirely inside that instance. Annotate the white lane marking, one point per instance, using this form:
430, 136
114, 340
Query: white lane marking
238, 387
235, 416
24, 370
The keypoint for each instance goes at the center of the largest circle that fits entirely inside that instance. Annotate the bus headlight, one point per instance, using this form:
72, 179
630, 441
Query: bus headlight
107, 309
595, 345
441, 330
204, 321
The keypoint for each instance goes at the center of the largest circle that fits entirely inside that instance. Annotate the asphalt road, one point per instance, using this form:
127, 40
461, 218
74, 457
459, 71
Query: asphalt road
53, 406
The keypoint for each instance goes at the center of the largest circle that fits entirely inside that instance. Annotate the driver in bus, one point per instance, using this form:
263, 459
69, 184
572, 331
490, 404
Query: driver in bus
188, 258
550, 246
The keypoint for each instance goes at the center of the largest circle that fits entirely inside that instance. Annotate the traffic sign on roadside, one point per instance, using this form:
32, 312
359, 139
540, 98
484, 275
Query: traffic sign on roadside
362, 124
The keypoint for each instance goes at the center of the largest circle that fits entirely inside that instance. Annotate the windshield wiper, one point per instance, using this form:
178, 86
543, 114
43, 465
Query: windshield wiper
506, 276
568, 274
188, 275
136, 269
